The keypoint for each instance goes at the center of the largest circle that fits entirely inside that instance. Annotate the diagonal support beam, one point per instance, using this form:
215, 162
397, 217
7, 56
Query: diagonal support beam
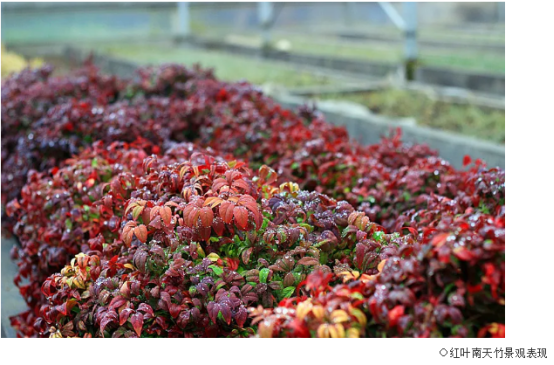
393, 15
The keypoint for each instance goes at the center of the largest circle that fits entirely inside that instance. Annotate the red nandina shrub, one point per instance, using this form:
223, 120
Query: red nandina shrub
47, 119
61, 210
450, 284
212, 242
173, 239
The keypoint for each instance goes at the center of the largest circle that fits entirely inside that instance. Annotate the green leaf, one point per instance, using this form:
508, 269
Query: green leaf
216, 269
378, 236
264, 273
94, 162
307, 226
288, 291
323, 258
68, 224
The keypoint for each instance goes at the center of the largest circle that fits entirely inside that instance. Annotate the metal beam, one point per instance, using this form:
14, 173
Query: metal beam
183, 19
409, 10
265, 17
393, 15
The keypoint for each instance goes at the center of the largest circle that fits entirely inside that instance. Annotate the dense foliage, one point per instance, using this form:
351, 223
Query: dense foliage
145, 234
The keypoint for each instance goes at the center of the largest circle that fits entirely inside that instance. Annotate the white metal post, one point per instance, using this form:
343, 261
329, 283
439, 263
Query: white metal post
265, 14
410, 30
349, 13
183, 19
410, 39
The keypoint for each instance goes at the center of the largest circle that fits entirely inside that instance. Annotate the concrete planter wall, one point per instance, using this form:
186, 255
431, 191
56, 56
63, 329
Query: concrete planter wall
367, 128
483, 82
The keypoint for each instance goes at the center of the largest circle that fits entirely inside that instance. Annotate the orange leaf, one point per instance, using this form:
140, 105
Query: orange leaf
166, 215
213, 201
141, 232
267, 175
381, 265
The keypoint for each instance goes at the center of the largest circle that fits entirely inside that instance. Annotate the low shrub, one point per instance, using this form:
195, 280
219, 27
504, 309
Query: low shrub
199, 239
145, 234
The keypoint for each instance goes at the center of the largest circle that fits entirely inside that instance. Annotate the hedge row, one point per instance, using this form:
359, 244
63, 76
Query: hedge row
144, 234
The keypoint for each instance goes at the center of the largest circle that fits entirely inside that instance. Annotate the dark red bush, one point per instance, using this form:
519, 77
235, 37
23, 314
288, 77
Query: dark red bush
177, 239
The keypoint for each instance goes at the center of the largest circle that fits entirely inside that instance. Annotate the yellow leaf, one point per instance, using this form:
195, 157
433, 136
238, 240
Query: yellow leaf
213, 257
339, 316
336, 331
353, 333
323, 331
318, 312
302, 309
360, 316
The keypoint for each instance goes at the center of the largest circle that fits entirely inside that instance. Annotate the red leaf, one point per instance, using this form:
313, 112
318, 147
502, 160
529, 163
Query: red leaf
145, 308
226, 211
118, 302
308, 261
412, 230
124, 315
463, 253
241, 316
156, 222
250, 203
206, 217
395, 314
137, 320
107, 318
241, 184
204, 233
245, 255
467, 160
439, 239
213, 310
225, 312
218, 184
190, 213
218, 226
241, 217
